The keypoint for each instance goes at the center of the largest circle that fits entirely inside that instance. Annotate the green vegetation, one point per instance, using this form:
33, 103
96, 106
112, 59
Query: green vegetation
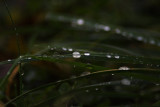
79, 53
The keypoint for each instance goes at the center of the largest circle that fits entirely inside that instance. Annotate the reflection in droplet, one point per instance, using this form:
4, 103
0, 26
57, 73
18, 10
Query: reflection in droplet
108, 56
96, 89
87, 54
76, 55
126, 82
80, 21
117, 57
124, 68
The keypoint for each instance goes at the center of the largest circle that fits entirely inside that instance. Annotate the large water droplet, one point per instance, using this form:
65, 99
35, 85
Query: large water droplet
76, 55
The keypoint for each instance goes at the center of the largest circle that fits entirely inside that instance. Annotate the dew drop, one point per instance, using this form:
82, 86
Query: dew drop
112, 74
117, 57
124, 68
65, 49
106, 28
52, 49
76, 55
9, 60
87, 91
85, 73
22, 74
96, 89
87, 54
117, 31
152, 42
124, 33
29, 58
70, 49
108, 56
139, 38
80, 21
49, 46
126, 82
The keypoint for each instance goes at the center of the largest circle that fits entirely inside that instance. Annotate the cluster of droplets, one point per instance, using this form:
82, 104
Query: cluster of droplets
81, 21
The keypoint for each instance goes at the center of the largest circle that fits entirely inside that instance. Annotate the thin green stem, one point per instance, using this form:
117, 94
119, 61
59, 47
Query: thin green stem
18, 45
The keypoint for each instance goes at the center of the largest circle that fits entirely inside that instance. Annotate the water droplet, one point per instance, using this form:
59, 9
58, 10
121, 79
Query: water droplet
70, 49
108, 56
152, 42
124, 68
52, 49
87, 54
112, 74
29, 58
130, 35
126, 82
80, 21
117, 31
22, 74
96, 89
139, 38
117, 57
20, 57
65, 49
124, 33
76, 55
87, 91
85, 73
9, 60
49, 46
106, 28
